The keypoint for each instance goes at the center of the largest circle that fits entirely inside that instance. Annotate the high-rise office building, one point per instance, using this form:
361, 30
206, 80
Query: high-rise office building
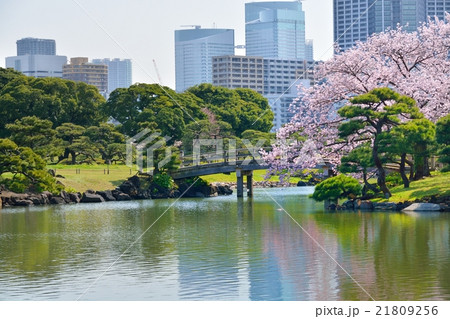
119, 72
282, 77
234, 71
33, 46
275, 29
81, 70
194, 50
275, 79
37, 58
356, 20
438, 8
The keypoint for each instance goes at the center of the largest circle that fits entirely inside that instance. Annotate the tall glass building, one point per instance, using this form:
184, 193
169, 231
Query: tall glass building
37, 58
437, 8
194, 50
356, 20
275, 29
33, 46
119, 72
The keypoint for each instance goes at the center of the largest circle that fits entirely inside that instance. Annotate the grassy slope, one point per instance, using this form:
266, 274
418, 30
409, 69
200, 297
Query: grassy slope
93, 177
438, 184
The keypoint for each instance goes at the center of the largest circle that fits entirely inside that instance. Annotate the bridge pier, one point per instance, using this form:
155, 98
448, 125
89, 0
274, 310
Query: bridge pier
240, 182
250, 184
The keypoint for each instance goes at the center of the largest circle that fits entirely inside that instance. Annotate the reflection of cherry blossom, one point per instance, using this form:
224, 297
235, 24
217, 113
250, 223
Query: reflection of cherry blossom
414, 64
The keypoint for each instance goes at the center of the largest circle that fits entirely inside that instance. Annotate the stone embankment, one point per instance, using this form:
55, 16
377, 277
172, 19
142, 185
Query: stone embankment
433, 203
132, 189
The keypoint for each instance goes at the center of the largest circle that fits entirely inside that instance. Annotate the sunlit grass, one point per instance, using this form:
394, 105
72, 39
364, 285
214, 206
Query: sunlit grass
438, 184
94, 176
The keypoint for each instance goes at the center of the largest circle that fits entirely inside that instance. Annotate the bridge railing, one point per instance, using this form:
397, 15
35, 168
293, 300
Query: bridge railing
229, 156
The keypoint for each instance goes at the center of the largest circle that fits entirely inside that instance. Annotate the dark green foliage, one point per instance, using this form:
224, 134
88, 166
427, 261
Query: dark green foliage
37, 134
333, 188
370, 116
443, 138
76, 144
109, 142
150, 106
205, 129
255, 136
7, 75
198, 181
359, 160
163, 180
393, 179
57, 100
24, 169
243, 109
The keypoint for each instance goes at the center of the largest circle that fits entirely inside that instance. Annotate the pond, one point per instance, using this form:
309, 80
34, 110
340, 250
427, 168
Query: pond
222, 248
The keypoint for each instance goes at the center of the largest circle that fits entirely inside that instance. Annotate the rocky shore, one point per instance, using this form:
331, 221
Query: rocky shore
433, 203
133, 188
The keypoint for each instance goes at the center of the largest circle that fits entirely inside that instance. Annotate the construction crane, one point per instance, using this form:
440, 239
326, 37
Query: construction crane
157, 72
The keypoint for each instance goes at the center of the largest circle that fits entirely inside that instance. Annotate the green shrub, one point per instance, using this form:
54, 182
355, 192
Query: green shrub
163, 180
393, 179
17, 184
198, 181
333, 188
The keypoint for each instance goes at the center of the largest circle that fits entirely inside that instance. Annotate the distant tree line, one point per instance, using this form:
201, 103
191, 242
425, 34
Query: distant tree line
62, 121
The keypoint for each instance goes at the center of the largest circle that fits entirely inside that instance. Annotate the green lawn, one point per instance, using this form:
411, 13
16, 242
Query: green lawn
94, 177
438, 184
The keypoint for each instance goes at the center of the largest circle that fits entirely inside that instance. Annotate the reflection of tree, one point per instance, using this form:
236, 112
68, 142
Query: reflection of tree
394, 256
226, 249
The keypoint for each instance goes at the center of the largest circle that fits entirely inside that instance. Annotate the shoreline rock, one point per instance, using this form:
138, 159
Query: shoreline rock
434, 203
131, 189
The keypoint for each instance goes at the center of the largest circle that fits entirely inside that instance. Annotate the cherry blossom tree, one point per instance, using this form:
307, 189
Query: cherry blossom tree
414, 64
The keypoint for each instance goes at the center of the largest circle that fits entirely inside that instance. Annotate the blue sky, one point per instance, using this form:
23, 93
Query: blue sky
138, 29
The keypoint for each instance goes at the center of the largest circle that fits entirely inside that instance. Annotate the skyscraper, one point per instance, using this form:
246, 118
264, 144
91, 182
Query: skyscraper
119, 72
275, 29
33, 46
233, 71
356, 20
437, 8
194, 50
37, 58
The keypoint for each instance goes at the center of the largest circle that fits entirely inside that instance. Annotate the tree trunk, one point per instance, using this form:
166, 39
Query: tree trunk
402, 171
381, 171
64, 156
367, 185
411, 169
427, 172
420, 161
74, 157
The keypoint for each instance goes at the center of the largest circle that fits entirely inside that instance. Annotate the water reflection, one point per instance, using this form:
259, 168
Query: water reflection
222, 249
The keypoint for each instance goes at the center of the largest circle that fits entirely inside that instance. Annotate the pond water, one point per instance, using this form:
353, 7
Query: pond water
222, 249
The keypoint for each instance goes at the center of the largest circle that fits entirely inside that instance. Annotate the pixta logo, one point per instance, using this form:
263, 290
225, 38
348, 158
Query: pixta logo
147, 144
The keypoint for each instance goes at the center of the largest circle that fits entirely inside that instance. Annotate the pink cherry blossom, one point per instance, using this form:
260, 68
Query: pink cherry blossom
414, 64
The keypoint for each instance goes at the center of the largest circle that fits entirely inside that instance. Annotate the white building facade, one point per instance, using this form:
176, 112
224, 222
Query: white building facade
39, 66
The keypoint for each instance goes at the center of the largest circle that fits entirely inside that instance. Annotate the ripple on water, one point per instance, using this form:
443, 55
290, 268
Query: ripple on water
221, 249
